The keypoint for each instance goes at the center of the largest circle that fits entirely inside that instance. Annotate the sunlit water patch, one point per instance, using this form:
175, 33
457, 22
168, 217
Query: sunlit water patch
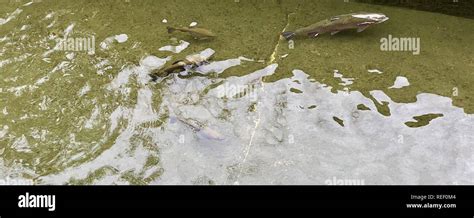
298, 143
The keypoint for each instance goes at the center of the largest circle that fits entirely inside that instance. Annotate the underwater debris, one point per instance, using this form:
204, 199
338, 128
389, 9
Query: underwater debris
400, 82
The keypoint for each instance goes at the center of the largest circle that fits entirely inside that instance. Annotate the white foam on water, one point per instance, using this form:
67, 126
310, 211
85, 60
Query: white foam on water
69, 29
51, 24
121, 80
105, 45
24, 27
204, 54
345, 81
152, 62
44, 103
118, 114
400, 82
118, 155
5, 62
144, 111
84, 90
220, 66
70, 55
10, 17
92, 120
3, 39
21, 144
103, 66
121, 38
3, 131
18, 90
49, 16
375, 71
15, 59
27, 4
175, 49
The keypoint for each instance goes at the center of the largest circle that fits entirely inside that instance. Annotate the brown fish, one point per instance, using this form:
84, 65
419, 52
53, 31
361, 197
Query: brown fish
192, 61
359, 21
198, 33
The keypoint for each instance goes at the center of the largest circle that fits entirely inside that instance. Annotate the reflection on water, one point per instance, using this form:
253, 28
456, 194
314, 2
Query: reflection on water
211, 133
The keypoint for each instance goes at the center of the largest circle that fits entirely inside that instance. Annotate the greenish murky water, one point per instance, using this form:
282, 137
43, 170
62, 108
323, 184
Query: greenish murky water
78, 117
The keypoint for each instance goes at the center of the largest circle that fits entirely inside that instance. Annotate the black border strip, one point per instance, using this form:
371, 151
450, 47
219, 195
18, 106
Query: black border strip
91, 199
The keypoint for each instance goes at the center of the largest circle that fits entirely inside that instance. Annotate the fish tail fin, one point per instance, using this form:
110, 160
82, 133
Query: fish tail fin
288, 35
170, 29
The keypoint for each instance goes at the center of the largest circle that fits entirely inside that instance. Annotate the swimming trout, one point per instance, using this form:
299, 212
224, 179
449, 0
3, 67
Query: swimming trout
191, 61
197, 33
333, 25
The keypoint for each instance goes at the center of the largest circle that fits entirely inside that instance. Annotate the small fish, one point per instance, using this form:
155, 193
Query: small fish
197, 33
192, 61
359, 21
